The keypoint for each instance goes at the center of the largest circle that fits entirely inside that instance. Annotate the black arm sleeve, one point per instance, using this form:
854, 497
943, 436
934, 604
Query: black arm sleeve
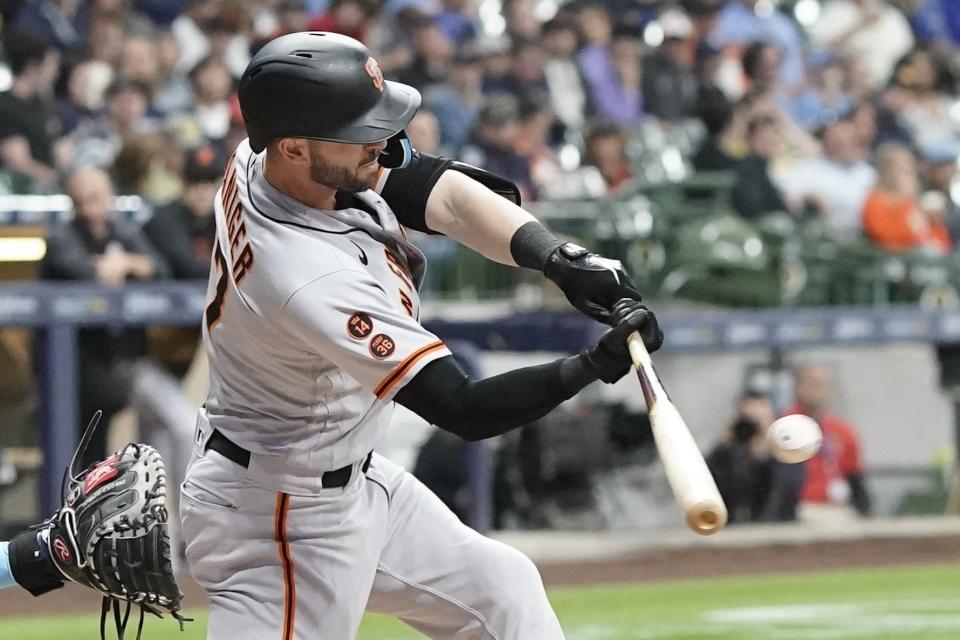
407, 189
442, 394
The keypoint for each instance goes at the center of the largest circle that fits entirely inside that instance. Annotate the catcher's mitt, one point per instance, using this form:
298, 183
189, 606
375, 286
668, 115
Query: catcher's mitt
111, 533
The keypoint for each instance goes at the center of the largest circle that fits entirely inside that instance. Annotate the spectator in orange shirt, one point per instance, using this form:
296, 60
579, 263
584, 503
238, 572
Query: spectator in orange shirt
835, 474
892, 215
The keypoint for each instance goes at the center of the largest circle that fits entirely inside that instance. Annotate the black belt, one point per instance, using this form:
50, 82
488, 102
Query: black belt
234, 452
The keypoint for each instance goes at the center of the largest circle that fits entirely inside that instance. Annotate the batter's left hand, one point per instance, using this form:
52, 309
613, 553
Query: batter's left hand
592, 283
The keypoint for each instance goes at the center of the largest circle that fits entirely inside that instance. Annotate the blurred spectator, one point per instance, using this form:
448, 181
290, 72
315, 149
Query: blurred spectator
105, 39
935, 21
754, 193
286, 16
183, 231
669, 82
870, 31
172, 91
564, 84
761, 63
60, 23
605, 143
525, 80
708, 61
493, 145
424, 132
835, 479
521, 18
348, 17
927, 113
457, 102
495, 56
610, 63
892, 214
745, 21
140, 61
86, 88
740, 470
144, 166
888, 108
229, 35
95, 247
456, 21
834, 184
432, 54
864, 119
161, 12
28, 124
212, 87
204, 28
716, 113
940, 171
536, 123
825, 99
98, 140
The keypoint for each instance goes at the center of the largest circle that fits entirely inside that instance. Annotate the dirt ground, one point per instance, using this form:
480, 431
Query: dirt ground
651, 566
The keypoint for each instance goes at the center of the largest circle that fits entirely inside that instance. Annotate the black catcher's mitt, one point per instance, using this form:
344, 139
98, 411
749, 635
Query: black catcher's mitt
111, 532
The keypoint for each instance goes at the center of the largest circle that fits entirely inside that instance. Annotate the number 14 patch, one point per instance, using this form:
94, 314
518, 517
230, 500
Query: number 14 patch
359, 325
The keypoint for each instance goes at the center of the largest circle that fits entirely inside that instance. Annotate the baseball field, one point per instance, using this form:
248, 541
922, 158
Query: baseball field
914, 602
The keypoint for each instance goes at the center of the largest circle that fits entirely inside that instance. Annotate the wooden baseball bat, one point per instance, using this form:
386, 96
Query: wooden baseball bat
693, 485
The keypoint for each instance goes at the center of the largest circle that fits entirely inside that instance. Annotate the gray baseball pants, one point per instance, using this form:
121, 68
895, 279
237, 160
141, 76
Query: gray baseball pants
305, 566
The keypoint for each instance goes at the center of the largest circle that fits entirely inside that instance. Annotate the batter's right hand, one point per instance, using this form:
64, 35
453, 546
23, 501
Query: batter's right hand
610, 358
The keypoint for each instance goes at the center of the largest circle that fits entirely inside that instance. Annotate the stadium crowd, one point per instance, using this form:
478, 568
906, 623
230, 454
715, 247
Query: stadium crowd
843, 110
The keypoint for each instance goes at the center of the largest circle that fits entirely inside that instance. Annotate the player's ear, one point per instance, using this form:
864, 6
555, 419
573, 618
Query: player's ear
295, 150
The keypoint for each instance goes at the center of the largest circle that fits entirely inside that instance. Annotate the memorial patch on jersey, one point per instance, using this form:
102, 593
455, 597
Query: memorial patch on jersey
359, 325
382, 346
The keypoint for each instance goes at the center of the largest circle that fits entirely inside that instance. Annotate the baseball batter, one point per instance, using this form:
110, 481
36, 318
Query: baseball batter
293, 526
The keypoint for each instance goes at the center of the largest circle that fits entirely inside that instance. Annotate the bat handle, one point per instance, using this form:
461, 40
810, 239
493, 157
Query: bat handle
649, 381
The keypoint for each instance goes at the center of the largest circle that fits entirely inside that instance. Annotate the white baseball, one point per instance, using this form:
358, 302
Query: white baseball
795, 438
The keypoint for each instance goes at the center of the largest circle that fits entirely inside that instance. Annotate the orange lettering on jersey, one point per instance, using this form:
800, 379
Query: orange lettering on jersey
394, 264
243, 263
236, 225
237, 233
406, 302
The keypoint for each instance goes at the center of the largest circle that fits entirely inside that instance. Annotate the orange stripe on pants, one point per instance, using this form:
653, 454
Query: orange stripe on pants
286, 561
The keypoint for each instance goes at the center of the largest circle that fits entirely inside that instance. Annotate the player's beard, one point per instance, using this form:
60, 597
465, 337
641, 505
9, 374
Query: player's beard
343, 178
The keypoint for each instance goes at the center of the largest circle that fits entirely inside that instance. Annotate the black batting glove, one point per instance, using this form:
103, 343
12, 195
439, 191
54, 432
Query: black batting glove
592, 283
610, 358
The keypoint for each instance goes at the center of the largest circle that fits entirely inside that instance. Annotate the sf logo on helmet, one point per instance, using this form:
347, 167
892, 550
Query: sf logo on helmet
373, 69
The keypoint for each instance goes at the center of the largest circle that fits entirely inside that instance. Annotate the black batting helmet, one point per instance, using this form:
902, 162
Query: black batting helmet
323, 86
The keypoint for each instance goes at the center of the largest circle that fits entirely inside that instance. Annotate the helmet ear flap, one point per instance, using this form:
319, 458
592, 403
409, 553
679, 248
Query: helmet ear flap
398, 153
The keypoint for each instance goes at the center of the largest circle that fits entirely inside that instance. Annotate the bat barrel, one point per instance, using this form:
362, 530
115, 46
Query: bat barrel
690, 479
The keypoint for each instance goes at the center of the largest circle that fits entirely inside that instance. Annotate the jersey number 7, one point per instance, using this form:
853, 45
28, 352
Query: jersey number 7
215, 308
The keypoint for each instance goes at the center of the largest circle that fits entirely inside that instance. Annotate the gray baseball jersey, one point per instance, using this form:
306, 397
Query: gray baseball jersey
312, 322
310, 331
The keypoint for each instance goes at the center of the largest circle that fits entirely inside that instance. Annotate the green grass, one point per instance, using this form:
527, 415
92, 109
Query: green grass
911, 603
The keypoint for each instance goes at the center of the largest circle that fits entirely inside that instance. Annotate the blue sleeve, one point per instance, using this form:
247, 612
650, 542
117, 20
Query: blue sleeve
6, 576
